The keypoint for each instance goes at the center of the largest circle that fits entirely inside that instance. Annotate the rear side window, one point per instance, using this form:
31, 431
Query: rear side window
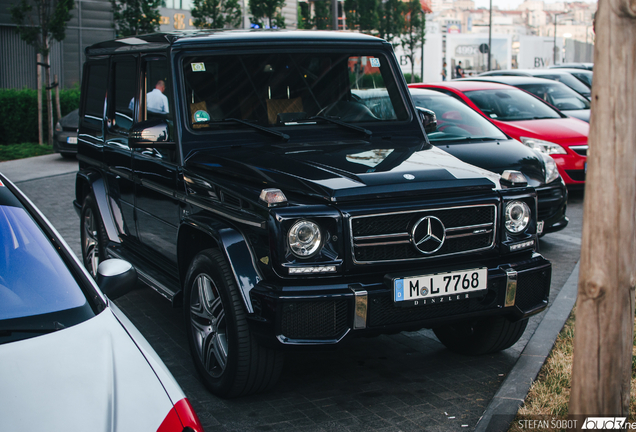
123, 95
95, 91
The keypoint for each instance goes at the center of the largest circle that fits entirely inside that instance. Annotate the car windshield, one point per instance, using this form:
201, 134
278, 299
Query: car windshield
511, 105
34, 280
559, 95
283, 89
584, 76
455, 120
568, 80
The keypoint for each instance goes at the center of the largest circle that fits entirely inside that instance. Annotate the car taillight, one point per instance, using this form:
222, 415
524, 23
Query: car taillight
181, 416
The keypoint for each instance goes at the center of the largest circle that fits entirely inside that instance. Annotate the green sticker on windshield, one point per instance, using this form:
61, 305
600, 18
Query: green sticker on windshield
201, 116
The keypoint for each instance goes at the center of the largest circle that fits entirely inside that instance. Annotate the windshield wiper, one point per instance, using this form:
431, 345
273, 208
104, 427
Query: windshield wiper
276, 133
41, 329
367, 132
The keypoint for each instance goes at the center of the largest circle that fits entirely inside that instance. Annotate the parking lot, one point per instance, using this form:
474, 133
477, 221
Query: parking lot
406, 381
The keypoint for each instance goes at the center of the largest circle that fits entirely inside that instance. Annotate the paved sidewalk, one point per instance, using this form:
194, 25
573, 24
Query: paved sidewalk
37, 167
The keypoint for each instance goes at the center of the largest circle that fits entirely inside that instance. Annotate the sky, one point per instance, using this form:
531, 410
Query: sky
511, 4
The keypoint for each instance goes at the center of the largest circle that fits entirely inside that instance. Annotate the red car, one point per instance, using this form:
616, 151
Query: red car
528, 119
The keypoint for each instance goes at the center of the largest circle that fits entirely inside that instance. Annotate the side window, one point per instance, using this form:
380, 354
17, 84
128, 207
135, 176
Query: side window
156, 102
123, 91
95, 96
157, 90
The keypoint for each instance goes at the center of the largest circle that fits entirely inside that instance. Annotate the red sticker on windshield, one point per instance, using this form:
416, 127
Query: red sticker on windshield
1, 184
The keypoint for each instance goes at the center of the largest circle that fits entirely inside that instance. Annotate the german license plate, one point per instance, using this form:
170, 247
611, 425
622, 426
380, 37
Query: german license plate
440, 287
71, 140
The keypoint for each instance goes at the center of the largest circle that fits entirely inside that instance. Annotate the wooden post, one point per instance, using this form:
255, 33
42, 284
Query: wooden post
58, 107
38, 60
603, 340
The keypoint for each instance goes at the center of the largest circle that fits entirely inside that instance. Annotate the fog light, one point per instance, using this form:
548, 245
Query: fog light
312, 270
522, 245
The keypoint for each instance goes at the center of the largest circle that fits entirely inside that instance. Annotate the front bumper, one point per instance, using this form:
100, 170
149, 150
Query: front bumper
329, 314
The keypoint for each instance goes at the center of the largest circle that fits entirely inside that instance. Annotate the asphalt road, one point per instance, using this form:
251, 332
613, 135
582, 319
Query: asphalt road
407, 381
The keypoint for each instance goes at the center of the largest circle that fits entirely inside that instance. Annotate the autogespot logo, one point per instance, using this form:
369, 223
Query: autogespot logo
604, 423
428, 234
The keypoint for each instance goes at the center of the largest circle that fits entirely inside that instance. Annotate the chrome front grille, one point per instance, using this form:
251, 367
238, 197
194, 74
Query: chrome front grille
388, 237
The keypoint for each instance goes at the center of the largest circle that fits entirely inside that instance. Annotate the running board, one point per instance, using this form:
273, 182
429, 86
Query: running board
167, 287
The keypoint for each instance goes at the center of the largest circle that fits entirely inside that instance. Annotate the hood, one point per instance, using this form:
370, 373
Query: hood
346, 171
498, 156
582, 114
564, 131
71, 120
87, 377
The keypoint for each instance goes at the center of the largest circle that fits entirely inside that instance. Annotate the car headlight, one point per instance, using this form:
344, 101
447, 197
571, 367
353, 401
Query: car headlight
517, 216
304, 238
546, 147
551, 171
58, 127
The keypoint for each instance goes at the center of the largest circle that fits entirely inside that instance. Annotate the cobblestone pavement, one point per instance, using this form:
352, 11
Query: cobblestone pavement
401, 382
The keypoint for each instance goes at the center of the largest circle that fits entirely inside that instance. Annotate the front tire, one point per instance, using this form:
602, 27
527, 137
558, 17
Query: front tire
225, 354
481, 336
93, 236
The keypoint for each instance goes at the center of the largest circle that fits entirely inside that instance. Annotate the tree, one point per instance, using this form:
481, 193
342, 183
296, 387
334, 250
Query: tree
304, 16
267, 10
413, 37
362, 15
603, 340
37, 28
216, 14
392, 20
136, 17
322, 15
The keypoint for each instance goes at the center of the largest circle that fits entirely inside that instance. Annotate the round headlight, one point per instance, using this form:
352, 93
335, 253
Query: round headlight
517, 216
304, 238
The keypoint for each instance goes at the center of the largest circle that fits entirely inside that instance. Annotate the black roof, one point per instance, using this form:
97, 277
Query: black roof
202, 38
513, 80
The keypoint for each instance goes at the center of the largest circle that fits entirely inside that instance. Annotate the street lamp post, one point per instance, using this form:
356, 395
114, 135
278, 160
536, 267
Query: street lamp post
490, 35
556, 15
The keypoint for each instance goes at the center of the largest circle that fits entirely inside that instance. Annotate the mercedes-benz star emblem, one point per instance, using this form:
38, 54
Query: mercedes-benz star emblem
428, 234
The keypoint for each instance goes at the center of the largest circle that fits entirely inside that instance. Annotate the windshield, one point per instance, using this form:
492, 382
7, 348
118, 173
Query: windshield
455, 120
559, 95
584, 76
511, 105
280, 89
568, 80
34, 281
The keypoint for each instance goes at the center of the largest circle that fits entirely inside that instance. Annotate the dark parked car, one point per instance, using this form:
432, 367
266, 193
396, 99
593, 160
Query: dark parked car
65, 135
246, 180
551, 74
584, 75
556, 94
71, 360
586, 66
464, 133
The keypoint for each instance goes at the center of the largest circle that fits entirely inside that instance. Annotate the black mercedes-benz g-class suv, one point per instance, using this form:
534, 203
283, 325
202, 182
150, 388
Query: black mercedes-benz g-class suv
249, 179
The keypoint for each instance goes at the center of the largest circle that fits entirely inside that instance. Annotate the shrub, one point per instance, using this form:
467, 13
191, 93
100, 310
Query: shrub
19, 117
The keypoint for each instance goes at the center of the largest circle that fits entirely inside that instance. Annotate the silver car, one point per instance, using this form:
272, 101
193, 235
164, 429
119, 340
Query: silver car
70, 360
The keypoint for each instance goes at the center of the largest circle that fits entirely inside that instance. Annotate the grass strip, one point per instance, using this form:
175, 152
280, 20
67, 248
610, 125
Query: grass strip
549, 396
20, 151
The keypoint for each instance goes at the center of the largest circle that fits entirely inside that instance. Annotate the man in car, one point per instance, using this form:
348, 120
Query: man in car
156, 101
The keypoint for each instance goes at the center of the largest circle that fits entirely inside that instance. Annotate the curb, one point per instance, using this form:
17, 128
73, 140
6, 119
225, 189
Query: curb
504, 406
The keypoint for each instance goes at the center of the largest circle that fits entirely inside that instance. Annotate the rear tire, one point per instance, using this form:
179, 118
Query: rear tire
93, 236
481, 336
225, 354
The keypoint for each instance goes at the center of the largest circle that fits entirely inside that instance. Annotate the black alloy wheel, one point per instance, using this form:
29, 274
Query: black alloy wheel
225, 354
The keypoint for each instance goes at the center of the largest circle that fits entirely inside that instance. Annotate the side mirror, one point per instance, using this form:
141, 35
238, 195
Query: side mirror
150, 133
429, 120
116, 277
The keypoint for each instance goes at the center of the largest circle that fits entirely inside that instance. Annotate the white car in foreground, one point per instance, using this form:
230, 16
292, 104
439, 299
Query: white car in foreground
70, 360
